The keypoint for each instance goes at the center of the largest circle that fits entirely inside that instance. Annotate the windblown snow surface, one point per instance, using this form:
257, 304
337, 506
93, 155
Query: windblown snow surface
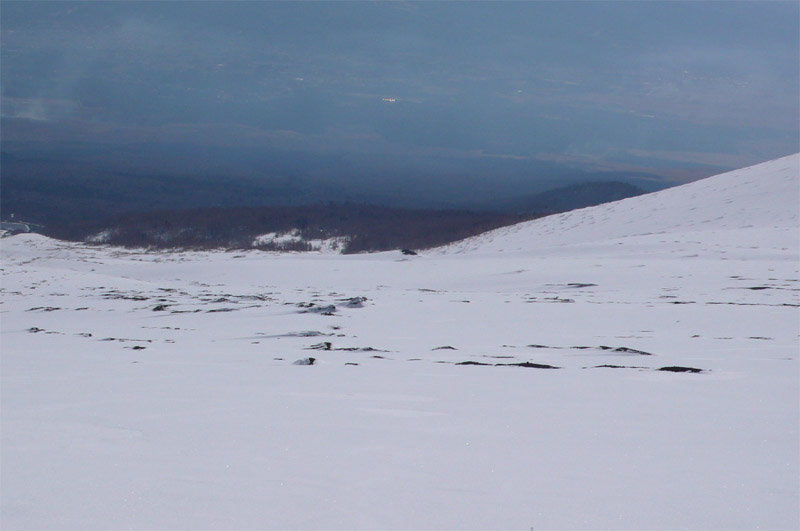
154, 390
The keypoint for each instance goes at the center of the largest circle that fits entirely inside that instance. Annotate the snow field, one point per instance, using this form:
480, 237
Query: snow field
153, 390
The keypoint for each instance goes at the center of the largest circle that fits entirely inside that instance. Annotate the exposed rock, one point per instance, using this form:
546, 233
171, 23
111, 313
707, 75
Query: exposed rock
522, 364
529, 365
624, 350
313, 308
632, 351
360, 349
325, 345
305, 361
354, 302
615, 367
304, 333
680, 369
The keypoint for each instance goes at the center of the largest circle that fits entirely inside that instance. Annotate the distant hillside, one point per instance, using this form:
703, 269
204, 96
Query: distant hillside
353, 227
341, 226
571, 197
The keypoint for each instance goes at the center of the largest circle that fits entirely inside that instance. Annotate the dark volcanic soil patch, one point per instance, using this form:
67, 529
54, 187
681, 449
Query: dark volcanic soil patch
680, 369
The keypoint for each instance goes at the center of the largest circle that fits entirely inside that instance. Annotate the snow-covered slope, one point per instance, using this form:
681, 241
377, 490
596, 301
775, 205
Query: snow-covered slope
766, 196
530, 388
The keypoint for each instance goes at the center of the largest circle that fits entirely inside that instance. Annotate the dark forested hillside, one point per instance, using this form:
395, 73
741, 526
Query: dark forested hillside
361, 227
76, 196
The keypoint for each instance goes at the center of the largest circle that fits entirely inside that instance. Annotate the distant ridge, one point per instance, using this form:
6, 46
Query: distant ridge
356, 228
570, 197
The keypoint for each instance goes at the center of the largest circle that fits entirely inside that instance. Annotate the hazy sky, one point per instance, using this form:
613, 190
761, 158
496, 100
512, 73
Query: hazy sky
598, 84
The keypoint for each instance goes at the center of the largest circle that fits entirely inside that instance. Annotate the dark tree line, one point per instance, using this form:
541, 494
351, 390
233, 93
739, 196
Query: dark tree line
365, 227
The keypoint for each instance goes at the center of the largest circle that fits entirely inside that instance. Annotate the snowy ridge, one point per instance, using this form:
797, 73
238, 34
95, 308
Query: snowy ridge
764, 196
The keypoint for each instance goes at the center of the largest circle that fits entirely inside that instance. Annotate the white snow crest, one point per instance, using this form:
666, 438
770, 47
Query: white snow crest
764, 196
